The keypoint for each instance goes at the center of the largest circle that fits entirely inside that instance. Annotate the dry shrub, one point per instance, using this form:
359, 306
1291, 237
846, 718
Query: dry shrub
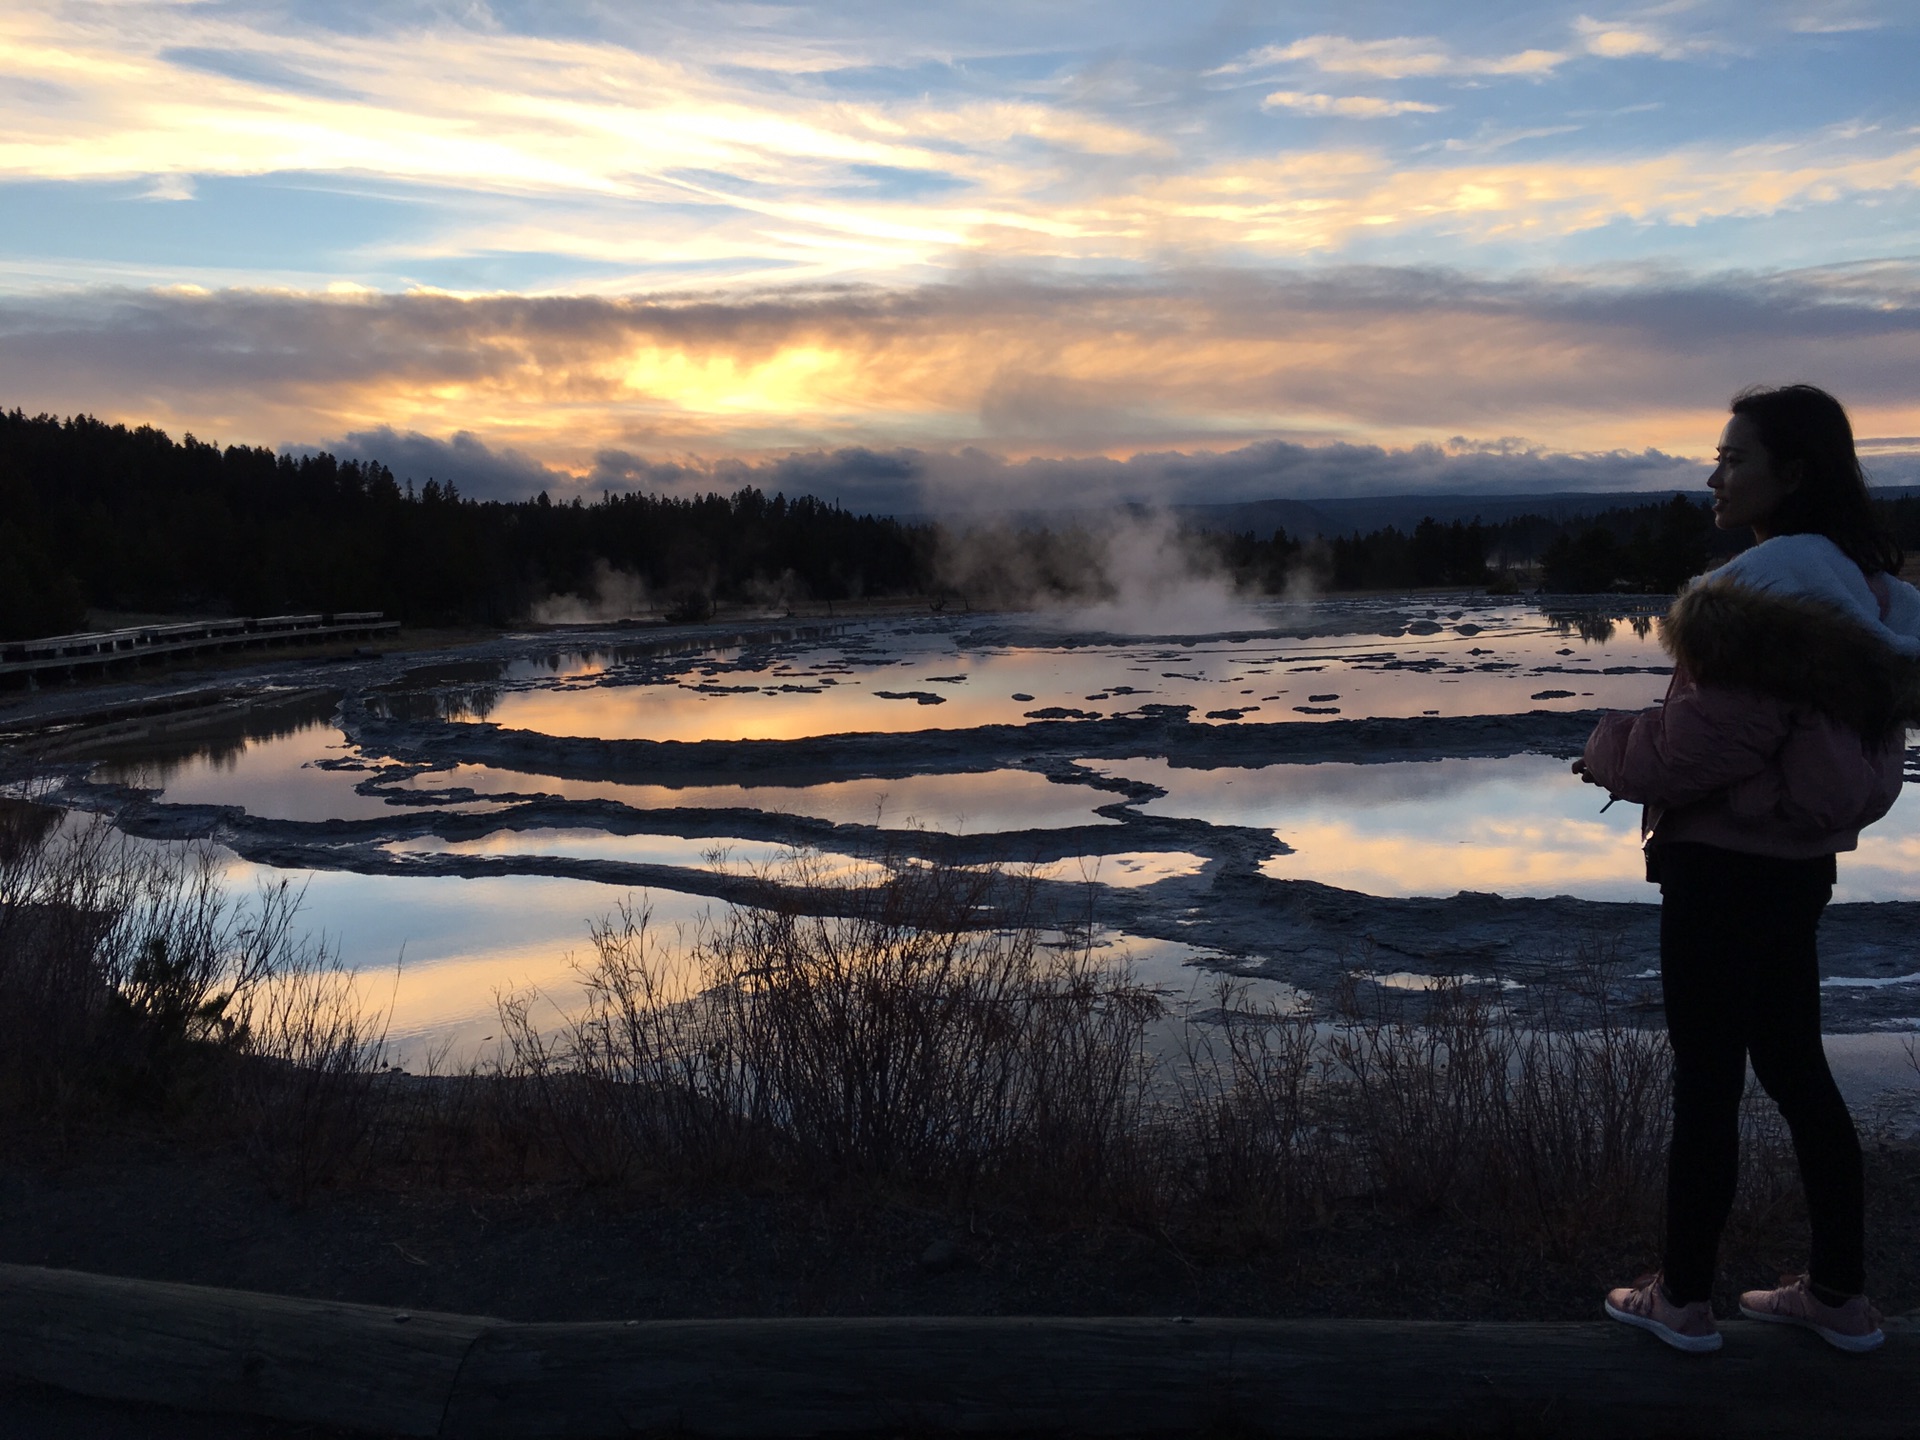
55, 892
900, 1038
308, 1094
122, 963
1548, 1130
920, 1033
1252, 1113
132, 982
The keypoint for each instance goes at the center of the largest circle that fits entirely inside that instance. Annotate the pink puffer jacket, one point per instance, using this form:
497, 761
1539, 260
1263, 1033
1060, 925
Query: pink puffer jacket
1782, 733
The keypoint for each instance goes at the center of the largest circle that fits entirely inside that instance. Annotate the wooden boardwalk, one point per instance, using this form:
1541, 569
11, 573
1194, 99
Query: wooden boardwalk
383, 1371
64, 657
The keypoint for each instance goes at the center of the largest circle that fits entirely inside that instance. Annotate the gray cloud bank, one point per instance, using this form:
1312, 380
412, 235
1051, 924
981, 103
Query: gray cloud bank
479, 470
909, 481
1217, 385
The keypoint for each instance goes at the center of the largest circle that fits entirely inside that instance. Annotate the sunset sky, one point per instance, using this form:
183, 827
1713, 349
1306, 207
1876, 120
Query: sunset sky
925, 256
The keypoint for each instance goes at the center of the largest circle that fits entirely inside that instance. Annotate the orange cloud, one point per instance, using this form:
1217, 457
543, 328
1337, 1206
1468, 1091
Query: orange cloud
1207, 360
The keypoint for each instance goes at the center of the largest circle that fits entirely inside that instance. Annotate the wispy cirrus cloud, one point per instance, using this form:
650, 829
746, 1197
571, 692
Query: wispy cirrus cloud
624, 166
1393, 58
1322, 200
1627, 39
1833, 23
1362, 107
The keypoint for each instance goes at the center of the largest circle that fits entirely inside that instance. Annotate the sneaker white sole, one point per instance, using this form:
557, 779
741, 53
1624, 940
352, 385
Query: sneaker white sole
1839, 1339
1692, 1344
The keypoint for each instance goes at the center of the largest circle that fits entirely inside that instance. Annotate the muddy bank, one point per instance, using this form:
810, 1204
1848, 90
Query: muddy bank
1183, 742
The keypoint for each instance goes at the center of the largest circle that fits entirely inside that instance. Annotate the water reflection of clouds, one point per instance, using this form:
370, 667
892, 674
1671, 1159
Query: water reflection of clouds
1518, 825
1186, 975
467, 941
459, 942
1126, 870
722, 854
1887, 864
984, 803
890, 683
273, 777
1550, 858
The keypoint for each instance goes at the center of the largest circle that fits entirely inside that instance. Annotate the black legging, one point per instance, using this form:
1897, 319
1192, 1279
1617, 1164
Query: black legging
1742, 980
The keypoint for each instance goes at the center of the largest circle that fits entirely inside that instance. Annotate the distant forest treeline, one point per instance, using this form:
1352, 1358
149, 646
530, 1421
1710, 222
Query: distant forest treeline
1649, 548
101, 516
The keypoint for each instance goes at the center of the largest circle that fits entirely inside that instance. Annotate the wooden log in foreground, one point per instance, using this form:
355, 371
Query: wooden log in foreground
356, 1367
362, 1367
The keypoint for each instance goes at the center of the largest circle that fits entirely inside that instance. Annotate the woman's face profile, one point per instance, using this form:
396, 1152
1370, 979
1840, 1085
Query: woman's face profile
1746, 486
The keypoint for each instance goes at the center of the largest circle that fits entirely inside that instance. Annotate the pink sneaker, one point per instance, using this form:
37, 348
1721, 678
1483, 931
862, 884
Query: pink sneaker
1685, 1327
1854, 1326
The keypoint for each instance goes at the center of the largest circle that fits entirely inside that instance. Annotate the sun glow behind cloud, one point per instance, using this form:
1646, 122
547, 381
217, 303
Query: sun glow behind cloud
1210, 361
800, 198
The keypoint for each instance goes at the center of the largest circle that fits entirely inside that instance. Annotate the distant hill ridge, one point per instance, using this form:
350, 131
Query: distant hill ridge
1359, 514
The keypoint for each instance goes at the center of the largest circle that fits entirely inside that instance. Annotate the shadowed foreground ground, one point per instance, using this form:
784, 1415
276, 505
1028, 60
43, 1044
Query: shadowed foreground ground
155, 1210
375, 1370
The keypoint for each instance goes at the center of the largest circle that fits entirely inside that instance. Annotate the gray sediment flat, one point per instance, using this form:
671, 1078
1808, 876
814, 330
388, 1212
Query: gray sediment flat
1312, 935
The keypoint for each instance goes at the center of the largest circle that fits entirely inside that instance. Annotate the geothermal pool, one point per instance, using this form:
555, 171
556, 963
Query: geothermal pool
1376, 786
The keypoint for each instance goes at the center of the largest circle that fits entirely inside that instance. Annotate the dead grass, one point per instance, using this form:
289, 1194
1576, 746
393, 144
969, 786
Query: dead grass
902, 1048
924, 1041
898, 1041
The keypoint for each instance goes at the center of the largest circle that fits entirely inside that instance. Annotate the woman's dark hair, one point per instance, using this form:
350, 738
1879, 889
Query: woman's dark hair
1804, 426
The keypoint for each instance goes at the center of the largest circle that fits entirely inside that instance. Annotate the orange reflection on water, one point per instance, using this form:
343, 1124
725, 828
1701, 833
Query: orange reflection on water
701, 853
458, 943
1548, 857
1519, 825
1126, 870
1887, 864
1224, 681
989, 802
273, 777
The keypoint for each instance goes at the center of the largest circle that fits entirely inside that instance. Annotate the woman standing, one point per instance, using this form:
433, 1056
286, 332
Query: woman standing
1796, 669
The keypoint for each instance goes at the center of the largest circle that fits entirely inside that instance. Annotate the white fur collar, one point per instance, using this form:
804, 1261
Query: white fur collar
1814, 566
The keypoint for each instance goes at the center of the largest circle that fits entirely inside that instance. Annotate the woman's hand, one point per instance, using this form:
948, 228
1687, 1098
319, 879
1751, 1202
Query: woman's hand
1580, 769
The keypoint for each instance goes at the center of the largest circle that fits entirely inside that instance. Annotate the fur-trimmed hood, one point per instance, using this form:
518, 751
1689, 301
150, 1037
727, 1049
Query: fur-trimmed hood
1796, 647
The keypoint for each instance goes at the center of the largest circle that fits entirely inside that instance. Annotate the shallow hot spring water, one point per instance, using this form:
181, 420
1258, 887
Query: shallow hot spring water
475, 877
1340, 659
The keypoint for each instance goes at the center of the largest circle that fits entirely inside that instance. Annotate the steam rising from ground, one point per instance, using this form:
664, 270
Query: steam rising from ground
610, 595
1126, 573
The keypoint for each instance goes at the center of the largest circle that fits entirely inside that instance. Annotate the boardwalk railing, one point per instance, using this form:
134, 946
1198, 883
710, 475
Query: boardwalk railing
57, 655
